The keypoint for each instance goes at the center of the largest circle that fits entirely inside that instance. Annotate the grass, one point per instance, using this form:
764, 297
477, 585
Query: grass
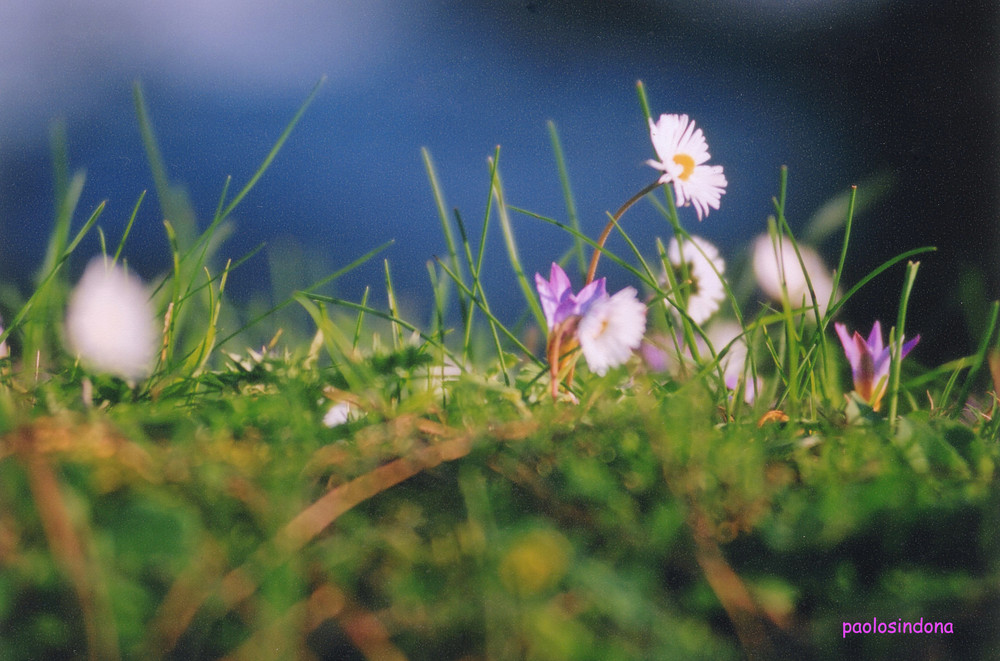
463, 512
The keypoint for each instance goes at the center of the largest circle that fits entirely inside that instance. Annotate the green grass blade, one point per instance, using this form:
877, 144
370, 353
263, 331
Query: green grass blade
449, 235
889, 263
643, 100
128, 227
567, 190
279, 143
481, 303
494, 163
308, 290
156, 164
40, 291
512, 253
897, 342
360, 320
397, 335
586, 239
979, 359
360, 307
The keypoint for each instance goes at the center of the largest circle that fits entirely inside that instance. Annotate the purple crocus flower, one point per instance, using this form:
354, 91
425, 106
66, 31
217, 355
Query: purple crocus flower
559, 303
869, 361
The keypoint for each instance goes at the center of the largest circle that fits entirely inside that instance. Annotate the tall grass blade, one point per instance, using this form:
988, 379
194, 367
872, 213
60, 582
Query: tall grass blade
512, 252
397, 334
897, 345
266, 163
449, 235
308, 290
574, 218
128, 227
979, 359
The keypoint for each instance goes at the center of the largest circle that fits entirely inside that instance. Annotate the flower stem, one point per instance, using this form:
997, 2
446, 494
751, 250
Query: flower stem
897, 342
601, 240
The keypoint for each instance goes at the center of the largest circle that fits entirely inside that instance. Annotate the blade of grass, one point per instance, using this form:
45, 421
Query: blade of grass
512, 253
40, 290
848, 224
489, 316
467, 248
331, 300
128, 227
156, 164
316, 285
979, 359
586, 239
897, 343
437, 314
67, 192
493, 162
889, 263
574, 219
266, 163
360, 320
336, 344
449, 236
643, 100
397, 337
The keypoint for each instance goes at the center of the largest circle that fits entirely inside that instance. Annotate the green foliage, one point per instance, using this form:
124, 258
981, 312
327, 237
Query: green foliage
456, 510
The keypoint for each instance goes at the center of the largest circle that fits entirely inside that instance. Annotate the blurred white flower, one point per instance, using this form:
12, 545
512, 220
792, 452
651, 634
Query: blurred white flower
721, 334
682, 151
4, 349
662, 354
705, 268
110, 322
611, 330
777, 262
734, 363
339, 414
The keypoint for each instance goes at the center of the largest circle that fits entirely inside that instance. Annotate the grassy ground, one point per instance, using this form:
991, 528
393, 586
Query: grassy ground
214, 508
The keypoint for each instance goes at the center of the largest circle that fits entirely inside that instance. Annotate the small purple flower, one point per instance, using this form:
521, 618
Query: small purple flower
869, 361
559, 303
606, 329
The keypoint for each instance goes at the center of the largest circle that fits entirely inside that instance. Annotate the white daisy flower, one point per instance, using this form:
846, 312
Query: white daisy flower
611, 330
774, 264
683, 152
705, 268
110, 323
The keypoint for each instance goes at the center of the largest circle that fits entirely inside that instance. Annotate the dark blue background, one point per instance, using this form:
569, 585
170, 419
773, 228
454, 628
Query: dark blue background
837, 91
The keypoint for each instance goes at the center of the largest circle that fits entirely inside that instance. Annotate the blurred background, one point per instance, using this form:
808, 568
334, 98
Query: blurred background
842, 92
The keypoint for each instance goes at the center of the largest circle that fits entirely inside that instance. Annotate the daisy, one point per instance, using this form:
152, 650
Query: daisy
704, 269
774, 265
682, 153
869, 361
110, 323
611, 330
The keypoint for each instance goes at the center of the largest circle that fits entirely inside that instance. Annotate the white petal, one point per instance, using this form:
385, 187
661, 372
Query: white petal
705, 267
110, 323
770, 262
611, 330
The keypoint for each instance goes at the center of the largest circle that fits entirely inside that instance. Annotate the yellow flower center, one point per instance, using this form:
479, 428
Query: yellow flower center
685, 162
